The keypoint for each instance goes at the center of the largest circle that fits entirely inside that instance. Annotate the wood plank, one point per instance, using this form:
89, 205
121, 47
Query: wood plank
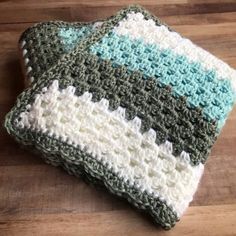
87, 11
204, 221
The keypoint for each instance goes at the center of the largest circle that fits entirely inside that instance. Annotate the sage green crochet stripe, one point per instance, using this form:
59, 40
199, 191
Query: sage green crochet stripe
78, 161
44, 45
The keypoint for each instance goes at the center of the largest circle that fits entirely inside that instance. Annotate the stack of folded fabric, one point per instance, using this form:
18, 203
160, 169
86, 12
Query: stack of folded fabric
127, 102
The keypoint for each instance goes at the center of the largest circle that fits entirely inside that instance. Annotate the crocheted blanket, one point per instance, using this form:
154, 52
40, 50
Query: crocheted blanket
134, 106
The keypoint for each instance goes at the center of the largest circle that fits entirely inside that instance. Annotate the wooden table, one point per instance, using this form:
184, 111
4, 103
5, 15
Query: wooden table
39, 199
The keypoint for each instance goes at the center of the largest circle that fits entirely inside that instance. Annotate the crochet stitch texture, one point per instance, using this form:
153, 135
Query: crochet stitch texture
135, 107
42, 45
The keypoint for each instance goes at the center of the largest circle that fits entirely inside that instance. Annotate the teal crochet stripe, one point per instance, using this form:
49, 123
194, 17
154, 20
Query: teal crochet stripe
71, 36
201, 87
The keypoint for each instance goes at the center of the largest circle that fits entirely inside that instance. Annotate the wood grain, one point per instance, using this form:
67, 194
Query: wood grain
39, 199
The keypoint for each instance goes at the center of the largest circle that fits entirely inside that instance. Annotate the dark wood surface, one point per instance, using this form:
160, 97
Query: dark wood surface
38, 199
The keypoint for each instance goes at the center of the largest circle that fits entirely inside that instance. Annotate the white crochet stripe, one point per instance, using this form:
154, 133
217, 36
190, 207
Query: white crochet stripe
110, 138
136, 27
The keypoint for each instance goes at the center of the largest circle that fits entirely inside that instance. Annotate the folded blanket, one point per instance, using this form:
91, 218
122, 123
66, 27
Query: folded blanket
134, 106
